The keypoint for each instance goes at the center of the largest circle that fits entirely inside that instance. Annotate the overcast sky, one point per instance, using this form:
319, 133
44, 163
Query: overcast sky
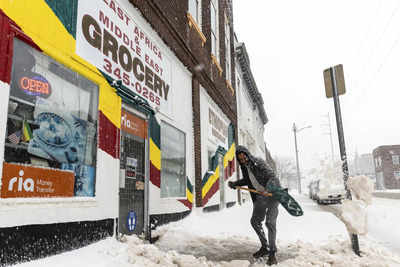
291, 42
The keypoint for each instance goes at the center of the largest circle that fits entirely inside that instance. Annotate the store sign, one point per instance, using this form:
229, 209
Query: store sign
22, 181
110, 39
218, 128
133, 125
36, 85
131, 165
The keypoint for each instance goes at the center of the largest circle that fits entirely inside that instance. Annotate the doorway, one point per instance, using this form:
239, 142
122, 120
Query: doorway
132, 197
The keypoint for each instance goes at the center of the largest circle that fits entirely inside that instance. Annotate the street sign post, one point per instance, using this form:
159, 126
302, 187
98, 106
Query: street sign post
339, 78
334, 86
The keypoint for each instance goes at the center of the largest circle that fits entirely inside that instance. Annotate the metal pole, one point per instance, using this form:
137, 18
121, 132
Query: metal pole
297, 158
330, 135
354, 238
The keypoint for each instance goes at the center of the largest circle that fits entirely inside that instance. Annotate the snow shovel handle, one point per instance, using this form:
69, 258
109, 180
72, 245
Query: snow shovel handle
266, 194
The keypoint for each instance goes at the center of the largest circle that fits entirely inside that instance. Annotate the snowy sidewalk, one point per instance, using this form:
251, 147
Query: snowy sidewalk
226, 239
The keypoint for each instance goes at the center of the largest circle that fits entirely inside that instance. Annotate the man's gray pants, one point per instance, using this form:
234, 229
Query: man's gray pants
265, 208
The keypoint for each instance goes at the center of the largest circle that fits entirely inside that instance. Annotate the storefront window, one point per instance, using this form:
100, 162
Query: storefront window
173, 162
52, 118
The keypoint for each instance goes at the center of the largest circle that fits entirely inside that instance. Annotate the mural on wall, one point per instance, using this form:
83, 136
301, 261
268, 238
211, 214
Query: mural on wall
210, 181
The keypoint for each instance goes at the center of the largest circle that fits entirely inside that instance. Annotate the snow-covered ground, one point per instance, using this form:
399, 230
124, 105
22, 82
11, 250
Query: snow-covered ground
318, 238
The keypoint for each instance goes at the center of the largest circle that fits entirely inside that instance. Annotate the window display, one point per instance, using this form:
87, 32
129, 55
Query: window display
52, 117
173, 162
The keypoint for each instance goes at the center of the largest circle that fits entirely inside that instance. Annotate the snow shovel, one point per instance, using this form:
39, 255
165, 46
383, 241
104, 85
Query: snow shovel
282, 196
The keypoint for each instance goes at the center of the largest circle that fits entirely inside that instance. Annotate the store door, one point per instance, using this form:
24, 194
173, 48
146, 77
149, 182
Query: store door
132, 174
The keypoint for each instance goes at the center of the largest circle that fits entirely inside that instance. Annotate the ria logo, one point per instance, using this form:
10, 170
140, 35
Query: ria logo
26, 184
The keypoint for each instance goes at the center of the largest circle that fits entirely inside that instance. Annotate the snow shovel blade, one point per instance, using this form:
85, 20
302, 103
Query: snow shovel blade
288, 202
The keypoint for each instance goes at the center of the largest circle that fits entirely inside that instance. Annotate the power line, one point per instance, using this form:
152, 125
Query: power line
381, 35
373, 49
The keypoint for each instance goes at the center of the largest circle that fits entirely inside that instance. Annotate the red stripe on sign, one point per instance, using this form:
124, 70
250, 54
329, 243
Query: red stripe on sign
155, 175
108, 136
214, 188
186, 202
8, 30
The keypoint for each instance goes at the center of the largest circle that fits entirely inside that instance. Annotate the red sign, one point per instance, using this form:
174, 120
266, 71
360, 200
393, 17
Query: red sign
27, 181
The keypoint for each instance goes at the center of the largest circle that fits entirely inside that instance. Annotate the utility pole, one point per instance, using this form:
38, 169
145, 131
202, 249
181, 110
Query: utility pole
297, 159
295, 131
330, 136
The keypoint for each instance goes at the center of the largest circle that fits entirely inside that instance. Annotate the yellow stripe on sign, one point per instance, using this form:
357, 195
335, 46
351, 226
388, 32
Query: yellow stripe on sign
210, 182
155, 155
110, 104
189, 195
38, 21
229, 155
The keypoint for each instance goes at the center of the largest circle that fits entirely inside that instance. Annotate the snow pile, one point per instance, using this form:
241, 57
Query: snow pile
330, 177
327, 187
226, 239
338, 252
140, 253
354, 212
361, 187
354, 215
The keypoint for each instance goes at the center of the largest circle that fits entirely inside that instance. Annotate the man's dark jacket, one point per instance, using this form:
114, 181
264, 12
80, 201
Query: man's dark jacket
261, 171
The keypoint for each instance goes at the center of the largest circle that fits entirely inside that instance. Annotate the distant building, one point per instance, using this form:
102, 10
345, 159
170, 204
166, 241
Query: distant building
387, 166
251, 115
363, 165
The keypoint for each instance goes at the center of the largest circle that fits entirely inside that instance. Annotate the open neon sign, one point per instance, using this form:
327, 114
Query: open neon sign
35, 86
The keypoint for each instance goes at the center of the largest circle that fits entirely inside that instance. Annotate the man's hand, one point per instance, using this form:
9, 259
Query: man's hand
231, 185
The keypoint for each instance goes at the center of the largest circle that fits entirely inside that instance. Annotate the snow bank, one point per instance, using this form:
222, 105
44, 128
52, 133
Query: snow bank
225, 239
354, 215
353, 212
361, 187
338, 253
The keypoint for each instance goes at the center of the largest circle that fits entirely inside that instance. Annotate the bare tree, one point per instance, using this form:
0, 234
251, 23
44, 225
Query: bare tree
286, 171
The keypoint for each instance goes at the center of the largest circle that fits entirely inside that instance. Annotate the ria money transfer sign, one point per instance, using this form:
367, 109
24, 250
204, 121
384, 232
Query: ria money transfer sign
110, 39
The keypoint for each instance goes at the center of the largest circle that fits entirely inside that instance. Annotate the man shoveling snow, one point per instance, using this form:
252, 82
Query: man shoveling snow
260, 179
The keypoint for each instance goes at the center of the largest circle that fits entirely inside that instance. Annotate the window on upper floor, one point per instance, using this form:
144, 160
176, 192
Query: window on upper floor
227, 49
378, 162
195, 10
214, 28
396, 159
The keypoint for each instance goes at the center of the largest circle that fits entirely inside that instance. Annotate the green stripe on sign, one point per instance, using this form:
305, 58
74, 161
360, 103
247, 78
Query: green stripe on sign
66, 11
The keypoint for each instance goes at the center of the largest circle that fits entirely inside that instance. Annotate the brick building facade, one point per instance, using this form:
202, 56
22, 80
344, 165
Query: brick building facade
172, 22
387, 167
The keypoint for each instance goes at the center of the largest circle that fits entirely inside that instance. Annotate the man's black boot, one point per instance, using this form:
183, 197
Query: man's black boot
271, 258
261, 252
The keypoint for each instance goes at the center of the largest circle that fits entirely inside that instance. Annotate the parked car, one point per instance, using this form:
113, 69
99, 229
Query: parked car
313, 189
327, 193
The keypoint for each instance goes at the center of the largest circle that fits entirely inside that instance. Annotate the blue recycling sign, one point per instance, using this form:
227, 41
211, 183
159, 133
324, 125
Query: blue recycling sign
131, 221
